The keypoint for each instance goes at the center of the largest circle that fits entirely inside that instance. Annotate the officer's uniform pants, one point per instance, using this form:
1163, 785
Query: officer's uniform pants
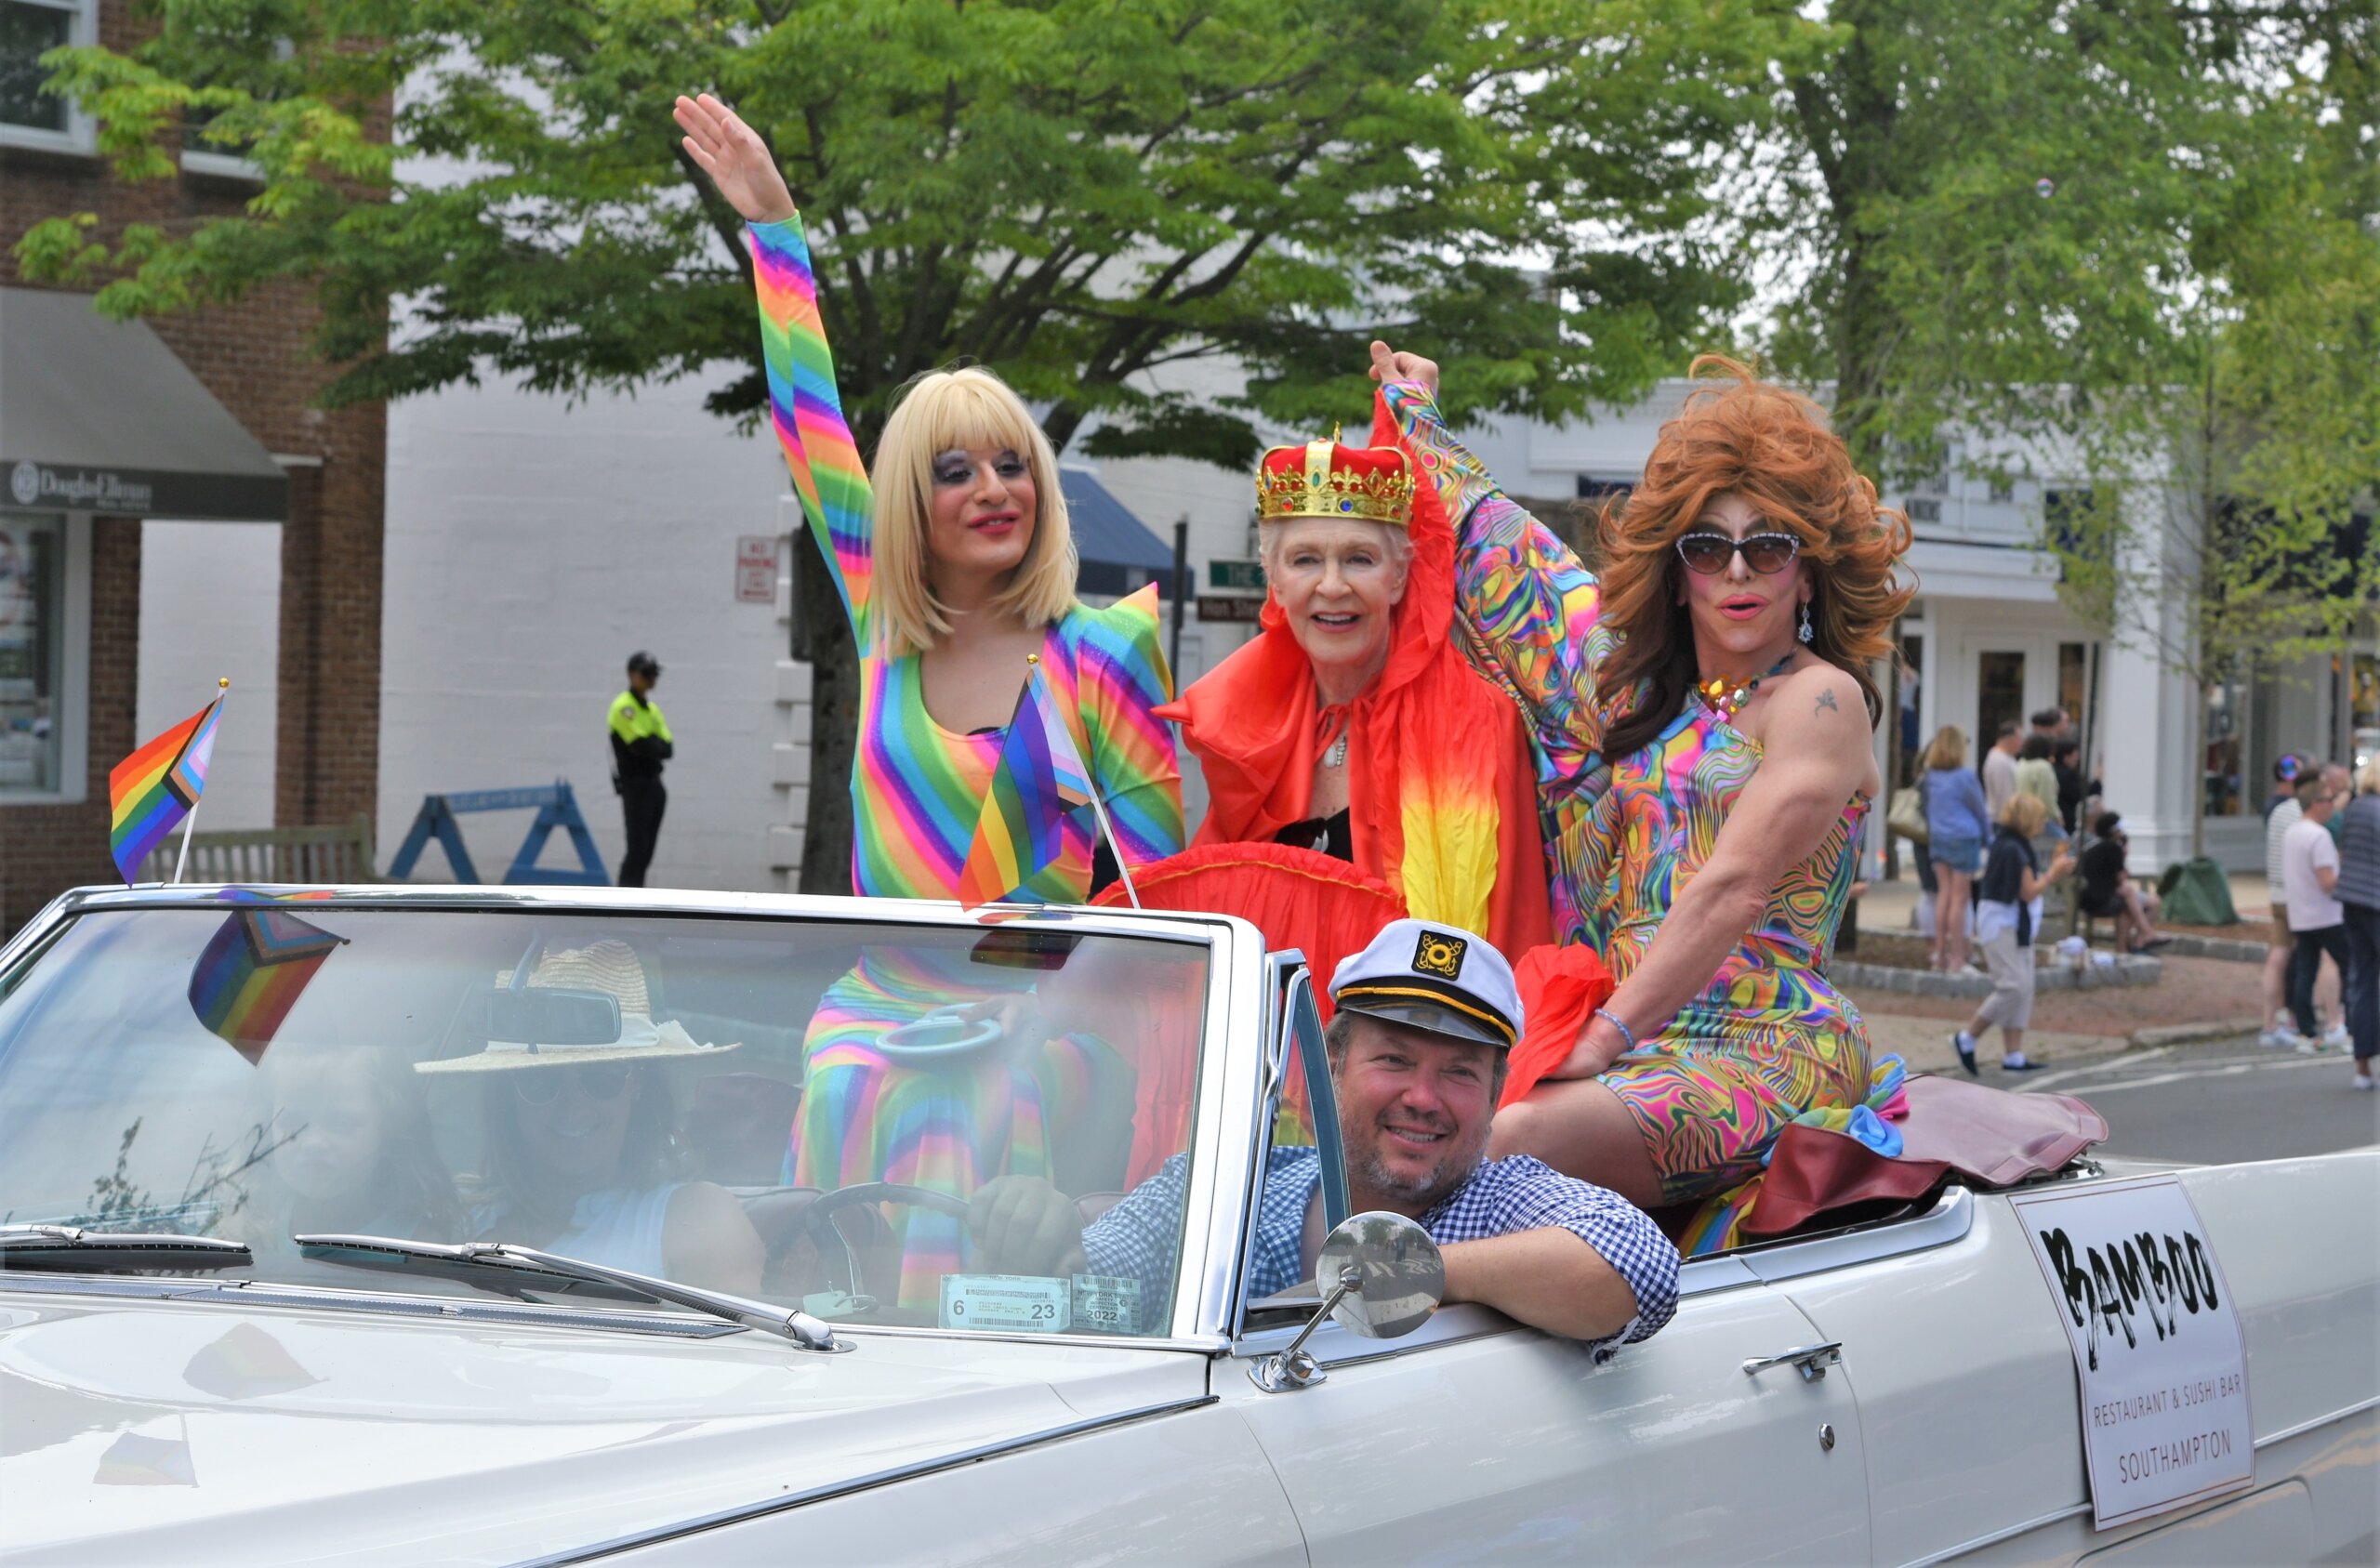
642, 803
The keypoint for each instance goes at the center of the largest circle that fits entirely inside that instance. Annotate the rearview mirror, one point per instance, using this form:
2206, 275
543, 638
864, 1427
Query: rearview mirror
1380, 1275
541, 1015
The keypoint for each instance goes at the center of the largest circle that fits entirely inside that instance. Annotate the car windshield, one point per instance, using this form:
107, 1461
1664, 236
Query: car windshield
801, 1111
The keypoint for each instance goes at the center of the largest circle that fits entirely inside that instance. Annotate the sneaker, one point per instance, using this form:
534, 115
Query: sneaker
2153, 944
2023, 1064
2361, 1081
2335, 1038
2276, 1040
1964, 1046
2306, 1045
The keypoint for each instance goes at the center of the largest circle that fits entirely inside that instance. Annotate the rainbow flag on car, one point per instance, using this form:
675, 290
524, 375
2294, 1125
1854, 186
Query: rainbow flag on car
154, 788
251, 972
1041, 777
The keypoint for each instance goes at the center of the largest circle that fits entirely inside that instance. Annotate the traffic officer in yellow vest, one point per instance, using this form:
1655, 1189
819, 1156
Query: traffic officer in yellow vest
641, 745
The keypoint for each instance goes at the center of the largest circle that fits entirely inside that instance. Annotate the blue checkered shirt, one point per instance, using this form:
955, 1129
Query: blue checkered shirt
1141, 1237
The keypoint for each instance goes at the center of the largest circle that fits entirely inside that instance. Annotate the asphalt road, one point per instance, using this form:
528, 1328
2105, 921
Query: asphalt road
2220, 1103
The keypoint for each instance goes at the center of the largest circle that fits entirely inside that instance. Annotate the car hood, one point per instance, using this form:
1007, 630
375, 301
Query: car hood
146, 1430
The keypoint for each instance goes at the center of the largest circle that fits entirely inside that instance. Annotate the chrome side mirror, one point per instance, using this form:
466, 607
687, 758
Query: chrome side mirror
1380, 1275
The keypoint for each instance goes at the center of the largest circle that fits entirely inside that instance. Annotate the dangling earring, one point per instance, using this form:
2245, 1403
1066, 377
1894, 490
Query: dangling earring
1806, 633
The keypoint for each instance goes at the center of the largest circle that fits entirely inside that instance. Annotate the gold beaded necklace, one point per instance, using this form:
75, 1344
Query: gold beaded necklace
1728, 703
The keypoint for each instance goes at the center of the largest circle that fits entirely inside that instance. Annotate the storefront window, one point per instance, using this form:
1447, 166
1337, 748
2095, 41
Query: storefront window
2364, 705
33, 561
2225, 792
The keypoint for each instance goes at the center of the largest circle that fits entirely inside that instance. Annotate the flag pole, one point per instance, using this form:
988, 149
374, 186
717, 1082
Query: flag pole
1123, 866
181, 862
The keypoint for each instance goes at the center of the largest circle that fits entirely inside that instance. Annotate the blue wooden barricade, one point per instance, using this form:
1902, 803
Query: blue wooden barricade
556, 808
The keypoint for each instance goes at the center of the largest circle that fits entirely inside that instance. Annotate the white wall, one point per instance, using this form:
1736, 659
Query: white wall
532, 546
210, 607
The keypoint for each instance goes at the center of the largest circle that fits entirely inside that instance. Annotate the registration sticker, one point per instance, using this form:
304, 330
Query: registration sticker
1029, 1303
1106, 1304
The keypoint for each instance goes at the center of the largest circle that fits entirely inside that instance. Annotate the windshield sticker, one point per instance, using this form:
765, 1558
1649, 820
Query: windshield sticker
1010, 1303
251, 974
1106, 1304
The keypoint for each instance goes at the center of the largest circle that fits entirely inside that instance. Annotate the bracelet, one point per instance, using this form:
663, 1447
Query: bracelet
1613, 1019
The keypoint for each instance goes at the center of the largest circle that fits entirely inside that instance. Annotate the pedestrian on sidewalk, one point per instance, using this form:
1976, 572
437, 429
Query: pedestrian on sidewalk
2310, 874
2280, 817
1955, 825
641, 743
2007, 915
2000, 769
2359, 894
2109, 891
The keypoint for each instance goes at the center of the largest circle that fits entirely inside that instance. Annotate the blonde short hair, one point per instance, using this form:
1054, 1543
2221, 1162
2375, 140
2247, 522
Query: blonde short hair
1948, 748
2367, 778
959, 410
2026, 813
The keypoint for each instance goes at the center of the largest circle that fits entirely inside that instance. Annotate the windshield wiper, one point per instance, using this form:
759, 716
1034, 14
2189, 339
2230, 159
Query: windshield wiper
468, 1260
71, 1247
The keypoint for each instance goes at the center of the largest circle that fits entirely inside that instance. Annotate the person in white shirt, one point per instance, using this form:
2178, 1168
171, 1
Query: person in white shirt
2309, 875
2000, 770
2287, 772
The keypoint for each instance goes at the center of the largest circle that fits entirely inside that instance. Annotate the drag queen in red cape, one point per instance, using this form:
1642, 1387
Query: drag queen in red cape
1352, 724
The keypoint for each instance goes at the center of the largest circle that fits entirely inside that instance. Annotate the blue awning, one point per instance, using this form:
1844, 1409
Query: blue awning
1118, 553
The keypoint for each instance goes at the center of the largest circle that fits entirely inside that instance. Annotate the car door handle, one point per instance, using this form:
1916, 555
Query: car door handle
1811, 1360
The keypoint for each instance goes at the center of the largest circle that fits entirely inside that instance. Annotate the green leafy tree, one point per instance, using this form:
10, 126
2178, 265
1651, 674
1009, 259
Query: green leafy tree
2136, 233
1075, 192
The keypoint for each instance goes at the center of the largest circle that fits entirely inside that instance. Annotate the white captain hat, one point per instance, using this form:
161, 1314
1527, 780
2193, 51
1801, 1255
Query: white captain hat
1442, 979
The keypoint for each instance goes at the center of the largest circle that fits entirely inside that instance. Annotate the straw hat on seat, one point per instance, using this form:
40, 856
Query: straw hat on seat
613, 967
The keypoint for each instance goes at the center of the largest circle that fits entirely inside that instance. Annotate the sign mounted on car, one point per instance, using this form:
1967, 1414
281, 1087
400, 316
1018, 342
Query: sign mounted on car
2156, 1342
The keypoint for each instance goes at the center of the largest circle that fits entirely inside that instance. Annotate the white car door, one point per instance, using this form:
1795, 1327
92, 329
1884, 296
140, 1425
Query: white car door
1478, 1441
1475, 1439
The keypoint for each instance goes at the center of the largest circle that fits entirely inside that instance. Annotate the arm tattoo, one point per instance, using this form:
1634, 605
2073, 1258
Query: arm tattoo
1826, 704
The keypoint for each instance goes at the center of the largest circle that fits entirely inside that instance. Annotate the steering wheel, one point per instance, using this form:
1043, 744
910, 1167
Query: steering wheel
939, 1038
816, 1221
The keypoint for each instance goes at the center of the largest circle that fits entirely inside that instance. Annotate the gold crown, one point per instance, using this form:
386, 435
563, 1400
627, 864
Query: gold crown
1296, 481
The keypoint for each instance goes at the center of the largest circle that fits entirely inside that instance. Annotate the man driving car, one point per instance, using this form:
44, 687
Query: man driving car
1426, 1016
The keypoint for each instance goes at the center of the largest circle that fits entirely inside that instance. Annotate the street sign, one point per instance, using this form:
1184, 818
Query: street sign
755, 569
1235, 577
1239, 607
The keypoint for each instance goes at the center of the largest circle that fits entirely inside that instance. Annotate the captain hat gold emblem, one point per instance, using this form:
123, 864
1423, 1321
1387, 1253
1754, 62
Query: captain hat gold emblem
1440, 953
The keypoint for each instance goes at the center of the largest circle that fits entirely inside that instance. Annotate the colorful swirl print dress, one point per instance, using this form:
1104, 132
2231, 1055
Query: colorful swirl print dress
1768, 1037
917, 790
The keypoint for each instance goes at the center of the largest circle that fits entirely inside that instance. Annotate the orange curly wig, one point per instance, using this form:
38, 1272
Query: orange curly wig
1774, 449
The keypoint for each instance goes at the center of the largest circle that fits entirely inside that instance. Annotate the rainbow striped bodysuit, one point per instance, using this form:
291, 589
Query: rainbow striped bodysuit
1768, 1037
917, 791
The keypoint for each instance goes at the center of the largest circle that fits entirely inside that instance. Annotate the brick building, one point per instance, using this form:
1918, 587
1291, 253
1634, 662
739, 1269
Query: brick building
111, 436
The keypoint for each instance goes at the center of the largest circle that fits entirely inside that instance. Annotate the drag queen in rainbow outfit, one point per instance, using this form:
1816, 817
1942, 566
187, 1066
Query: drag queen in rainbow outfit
1704, 722
953, 567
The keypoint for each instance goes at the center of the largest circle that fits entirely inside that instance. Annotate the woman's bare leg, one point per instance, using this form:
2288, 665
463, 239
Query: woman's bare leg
1951, 918
1581, 1128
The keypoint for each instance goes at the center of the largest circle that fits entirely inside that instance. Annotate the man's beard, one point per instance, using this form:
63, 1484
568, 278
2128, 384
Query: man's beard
1433, 1187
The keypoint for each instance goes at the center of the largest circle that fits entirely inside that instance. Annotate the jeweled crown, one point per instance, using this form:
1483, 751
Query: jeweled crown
1325, 480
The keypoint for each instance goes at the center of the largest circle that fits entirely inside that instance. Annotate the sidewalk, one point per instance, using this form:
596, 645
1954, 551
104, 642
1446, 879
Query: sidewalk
2213, 995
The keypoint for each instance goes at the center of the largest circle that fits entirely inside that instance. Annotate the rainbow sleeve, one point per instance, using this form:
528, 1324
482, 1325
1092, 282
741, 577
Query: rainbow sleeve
1531, 612
807, 411
1123, 676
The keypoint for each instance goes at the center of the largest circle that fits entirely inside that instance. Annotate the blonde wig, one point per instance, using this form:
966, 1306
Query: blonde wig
959, 410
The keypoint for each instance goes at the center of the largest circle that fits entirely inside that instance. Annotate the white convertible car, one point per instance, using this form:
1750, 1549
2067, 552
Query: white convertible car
508, 1226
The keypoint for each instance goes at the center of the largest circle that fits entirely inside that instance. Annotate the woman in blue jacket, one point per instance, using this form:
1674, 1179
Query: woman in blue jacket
1956, 825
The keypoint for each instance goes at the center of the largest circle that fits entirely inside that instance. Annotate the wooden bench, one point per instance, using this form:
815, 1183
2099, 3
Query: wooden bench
271, 854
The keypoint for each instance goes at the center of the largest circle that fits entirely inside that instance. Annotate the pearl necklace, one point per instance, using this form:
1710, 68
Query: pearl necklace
1728, 703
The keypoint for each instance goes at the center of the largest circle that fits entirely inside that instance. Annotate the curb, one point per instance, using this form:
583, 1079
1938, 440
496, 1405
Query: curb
2190, 1033
2129, 970
2230, 949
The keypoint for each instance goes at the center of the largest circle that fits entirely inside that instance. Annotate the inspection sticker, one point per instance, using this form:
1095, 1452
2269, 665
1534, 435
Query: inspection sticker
1107, 1304
1032, 1303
